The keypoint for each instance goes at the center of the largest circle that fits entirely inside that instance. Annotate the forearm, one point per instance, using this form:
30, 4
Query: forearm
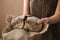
26, 7
53, 19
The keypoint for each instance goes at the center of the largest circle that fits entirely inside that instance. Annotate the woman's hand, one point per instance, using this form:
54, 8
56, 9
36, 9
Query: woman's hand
43, 20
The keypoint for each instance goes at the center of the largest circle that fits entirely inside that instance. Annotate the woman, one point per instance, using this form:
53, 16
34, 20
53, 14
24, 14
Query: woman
49, 12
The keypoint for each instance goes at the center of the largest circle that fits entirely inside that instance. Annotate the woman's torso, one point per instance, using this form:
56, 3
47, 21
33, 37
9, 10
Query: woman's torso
45, 8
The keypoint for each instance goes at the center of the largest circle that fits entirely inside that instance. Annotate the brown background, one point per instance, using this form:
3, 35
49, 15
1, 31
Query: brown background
9, 7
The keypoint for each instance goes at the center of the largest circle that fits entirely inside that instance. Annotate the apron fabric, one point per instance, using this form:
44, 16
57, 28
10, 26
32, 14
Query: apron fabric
45, 8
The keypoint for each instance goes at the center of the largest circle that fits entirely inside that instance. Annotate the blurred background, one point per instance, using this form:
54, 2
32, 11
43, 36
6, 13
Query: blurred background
9, 7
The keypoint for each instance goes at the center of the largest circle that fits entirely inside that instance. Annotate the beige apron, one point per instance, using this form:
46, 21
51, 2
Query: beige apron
45, 8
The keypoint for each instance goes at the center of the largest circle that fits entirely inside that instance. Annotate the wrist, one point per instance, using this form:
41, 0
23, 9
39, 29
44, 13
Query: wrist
49, 20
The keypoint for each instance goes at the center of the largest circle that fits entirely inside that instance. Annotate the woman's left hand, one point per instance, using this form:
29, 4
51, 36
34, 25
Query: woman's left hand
43, 20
